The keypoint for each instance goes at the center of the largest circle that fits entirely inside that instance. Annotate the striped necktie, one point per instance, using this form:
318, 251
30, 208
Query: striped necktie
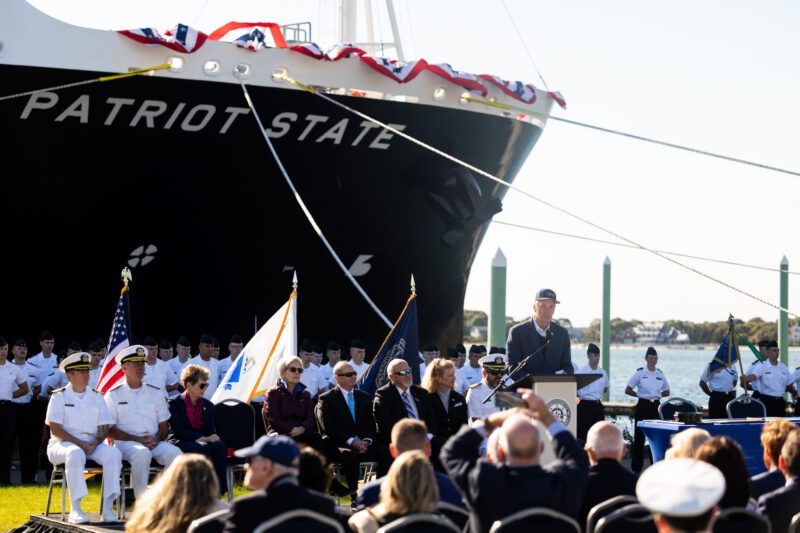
409, 406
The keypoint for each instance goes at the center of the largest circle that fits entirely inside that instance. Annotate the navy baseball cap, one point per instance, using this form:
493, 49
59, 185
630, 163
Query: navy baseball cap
278, 448
546, 294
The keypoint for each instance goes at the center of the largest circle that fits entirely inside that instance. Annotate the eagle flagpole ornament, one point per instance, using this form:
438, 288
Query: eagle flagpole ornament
127, 277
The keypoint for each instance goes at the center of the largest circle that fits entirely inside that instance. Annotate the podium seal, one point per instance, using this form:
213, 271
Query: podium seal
560, 410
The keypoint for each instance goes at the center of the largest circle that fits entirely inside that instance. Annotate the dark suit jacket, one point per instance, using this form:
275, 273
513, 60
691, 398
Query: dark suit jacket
370, 493
179, 427
781, 505
388, 408
447, 422
494, 491
284, 494
523, 341
765, 482
335, 422
607, 479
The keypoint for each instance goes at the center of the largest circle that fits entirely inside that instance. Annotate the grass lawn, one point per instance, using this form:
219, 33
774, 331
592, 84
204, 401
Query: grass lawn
18, 502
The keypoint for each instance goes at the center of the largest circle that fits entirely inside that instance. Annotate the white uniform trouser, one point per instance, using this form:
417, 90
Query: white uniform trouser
74, 459
139, 457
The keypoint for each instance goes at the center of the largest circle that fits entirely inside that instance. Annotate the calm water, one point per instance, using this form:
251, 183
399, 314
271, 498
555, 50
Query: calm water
682, 368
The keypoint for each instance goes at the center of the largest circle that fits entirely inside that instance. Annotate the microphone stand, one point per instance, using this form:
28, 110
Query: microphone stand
519, 366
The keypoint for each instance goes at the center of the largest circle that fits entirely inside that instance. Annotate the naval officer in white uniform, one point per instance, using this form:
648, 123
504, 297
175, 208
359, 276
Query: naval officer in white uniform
79, 422
650, 384
141, 419
494, 367
590, 407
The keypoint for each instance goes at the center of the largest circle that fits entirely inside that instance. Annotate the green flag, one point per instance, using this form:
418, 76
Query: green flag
753, 349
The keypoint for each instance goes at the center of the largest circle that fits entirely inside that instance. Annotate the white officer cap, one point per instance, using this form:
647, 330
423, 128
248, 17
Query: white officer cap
132, 354
495, 360
680, 487
76, 361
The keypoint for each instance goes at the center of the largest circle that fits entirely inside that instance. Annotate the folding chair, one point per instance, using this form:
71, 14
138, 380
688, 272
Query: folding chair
607, 507
740, 520
236, 426
536, 518
427, 522
633, 518
667, 410
91, 468
745, 406
305, 519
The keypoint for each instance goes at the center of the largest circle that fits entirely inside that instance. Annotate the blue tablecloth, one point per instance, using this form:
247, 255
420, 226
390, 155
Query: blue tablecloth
746, 432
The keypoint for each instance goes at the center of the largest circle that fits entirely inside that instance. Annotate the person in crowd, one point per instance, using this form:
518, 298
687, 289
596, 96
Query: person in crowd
183, 349
461, 357
206, 359
26, 434
720, 387
682, 494
158, 373
288, 409
277, 458
79, 422
55, 379
400, 399
685, 443
773, 381
448, 407
493, 491
409, 488
187, 490
753, 385
191, 422
493, 367
216, 348
140, 418
95, 358
409, 434
235, 346
347, 425
312, 375
165, 351
724, 453
45, 360
334, 355
780, 505
429, 352
13, 384
649, 385
313, 471
590, 406
773, 435
540, 333
607, 477
358, 354
471, 372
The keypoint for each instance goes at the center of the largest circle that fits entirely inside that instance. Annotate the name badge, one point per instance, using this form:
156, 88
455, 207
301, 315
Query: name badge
69, 405
459, 404
123, 403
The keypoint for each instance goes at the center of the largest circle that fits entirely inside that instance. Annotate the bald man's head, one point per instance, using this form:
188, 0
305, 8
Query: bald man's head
520, 440
604, 441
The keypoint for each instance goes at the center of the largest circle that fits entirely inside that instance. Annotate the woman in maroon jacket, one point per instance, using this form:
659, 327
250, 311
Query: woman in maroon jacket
288, 409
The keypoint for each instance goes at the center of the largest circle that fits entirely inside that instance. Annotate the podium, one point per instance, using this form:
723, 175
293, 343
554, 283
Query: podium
559, 392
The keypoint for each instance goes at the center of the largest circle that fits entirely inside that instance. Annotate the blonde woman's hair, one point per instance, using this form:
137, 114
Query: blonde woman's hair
410, 485
192, 374
437, 367
183, 492
685, 443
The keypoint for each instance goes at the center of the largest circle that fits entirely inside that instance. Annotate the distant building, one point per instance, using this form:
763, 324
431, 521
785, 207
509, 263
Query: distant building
794, 332
659, 333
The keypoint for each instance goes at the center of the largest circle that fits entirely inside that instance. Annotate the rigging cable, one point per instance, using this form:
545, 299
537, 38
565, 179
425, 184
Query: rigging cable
525, 46
532, 196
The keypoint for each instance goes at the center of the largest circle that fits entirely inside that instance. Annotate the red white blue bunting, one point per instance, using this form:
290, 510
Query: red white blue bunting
396, 70
464, 79
251, 35
515, 89
555, 95
181, 38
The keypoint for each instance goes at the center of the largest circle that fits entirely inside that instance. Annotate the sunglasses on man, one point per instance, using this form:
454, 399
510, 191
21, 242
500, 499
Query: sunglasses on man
495, 371
347, 374
406, 372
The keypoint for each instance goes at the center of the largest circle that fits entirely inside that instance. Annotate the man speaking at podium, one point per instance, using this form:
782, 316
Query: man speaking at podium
531, 335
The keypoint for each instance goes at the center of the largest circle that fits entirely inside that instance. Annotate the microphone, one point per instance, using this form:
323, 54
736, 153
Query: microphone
548, 335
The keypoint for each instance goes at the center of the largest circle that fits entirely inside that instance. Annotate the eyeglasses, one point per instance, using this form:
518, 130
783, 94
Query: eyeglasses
295, 369
203, 386
405, 372
495, 371
347, 374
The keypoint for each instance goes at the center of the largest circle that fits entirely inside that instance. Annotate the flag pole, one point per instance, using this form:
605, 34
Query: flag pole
734, 343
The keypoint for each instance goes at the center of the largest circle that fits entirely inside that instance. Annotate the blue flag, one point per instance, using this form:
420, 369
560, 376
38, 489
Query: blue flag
727, 354
401, 343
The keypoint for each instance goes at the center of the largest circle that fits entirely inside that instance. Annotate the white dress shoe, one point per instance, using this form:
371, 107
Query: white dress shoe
77, 517
109, 516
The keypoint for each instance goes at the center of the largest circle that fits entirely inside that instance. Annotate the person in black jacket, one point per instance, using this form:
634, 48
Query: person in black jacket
525, 338
781, 505
279, 458
191, 422
494, 491
347, 425
773, 435
400, 399
449, 408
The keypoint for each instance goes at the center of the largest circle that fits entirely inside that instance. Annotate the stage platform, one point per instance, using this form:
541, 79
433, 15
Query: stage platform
53, 523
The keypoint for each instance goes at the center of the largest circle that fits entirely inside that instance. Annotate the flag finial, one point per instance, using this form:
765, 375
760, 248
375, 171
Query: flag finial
294, 280
413, 286
127, 277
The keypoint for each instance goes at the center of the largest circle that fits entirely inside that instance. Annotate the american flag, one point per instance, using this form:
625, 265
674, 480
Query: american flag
119, 340
181, 38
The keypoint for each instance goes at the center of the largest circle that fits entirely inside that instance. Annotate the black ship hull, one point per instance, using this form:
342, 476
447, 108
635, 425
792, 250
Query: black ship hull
94, 180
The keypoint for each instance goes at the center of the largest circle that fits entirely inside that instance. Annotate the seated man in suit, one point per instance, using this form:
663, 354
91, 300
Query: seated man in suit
773, 435
409, 434
607, 477
345, 421
400, 399
781, 505
494, 491
525, 338
276, 458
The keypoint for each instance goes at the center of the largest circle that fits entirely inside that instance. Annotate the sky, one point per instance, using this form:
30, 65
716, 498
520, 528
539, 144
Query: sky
717, 75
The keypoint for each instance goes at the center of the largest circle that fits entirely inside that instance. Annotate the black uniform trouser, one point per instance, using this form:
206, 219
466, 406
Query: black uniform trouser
776, 405
6, 440
27, 438
718, 402
42, 432
589, 413
644, 410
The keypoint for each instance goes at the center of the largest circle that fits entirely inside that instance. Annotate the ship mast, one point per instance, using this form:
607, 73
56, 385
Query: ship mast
349, 27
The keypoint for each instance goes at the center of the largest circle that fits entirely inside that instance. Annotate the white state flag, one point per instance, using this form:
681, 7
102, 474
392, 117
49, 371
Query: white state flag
256, 368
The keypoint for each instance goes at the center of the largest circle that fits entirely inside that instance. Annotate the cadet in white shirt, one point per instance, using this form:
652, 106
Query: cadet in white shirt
95, 357
720, 388
651, 385
79, 421
28, 434
429, 353
774, 380
141, 419
184, 355
334, 354
13, 384
472, 372
158, 373
358, 352
753, 385
205, 359
493, 368
235, 346
45, 359
312, 375
590, 407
